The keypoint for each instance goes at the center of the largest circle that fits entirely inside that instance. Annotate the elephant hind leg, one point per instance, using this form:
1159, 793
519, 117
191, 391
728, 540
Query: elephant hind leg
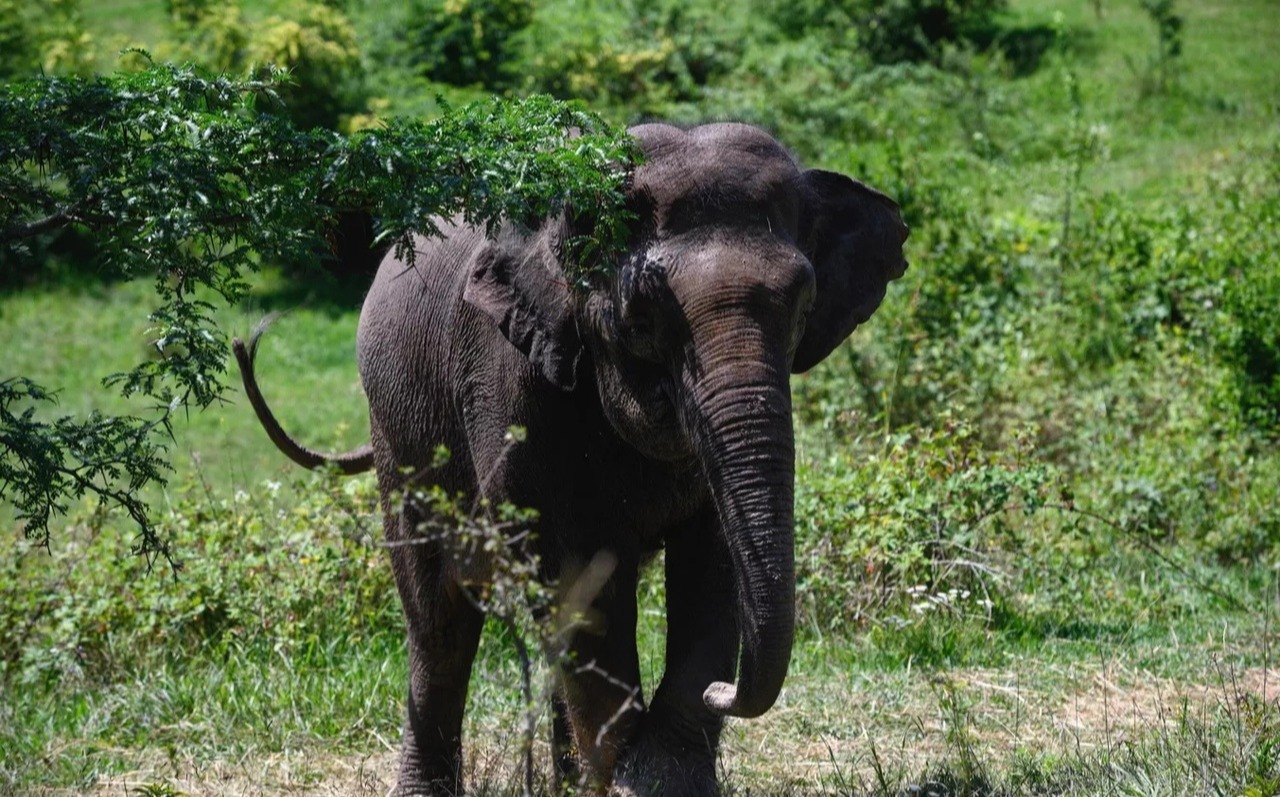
443, 625
439, 669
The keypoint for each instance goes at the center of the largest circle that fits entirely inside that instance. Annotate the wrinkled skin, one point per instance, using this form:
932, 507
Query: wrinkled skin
658, 414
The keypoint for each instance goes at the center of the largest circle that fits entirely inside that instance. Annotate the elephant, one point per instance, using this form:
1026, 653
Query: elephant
656, 407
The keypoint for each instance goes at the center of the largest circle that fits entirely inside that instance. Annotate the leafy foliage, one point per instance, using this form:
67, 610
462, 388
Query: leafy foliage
466, 42
44, 35
313, 42
272, 570
919, 520
894, 31
657, 54
910, 30
181, 180
44, 465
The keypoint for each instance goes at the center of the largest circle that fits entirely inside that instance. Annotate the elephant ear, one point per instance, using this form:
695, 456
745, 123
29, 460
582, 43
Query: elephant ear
853, 236
531, 304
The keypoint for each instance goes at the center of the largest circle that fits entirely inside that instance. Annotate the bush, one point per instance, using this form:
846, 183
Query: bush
889, 31
644, 62
466, 42
290, 566
919, 521
43, 35
317, 44
910, 30
1206, 267
313, 41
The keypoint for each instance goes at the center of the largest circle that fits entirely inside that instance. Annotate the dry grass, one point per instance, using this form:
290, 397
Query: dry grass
908, 725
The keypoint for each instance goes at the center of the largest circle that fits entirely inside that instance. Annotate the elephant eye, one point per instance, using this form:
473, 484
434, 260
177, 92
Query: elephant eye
643, 308
641, 337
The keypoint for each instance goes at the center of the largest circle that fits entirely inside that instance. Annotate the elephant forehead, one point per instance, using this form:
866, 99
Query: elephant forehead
713, 167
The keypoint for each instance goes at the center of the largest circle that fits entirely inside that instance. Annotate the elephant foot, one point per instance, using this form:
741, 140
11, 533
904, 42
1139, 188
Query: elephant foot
425, 791
649, 770
414, 782
432, 789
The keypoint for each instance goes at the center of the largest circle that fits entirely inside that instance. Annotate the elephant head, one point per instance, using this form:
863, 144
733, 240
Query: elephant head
742, 268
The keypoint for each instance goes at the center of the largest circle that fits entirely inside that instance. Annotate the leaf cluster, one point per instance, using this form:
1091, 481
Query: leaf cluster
927, 517
43, 35
45, 465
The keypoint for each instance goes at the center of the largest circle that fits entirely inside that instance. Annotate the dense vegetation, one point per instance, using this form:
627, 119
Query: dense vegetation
1051, 458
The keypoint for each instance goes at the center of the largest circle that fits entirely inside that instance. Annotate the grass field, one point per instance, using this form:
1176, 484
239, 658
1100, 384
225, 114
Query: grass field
1132, 654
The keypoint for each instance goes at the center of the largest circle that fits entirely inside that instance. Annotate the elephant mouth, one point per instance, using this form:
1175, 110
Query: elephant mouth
641, 405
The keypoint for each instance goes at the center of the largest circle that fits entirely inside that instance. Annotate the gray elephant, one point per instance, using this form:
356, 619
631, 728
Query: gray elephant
657, 410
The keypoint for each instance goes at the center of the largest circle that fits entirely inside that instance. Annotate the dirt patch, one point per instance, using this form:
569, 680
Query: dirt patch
1119, 702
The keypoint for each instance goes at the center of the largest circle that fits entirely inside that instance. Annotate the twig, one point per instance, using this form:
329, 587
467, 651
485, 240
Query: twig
631, 702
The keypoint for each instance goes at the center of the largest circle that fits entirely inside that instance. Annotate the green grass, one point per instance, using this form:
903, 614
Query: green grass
1181, 703
1224, 93
74, 336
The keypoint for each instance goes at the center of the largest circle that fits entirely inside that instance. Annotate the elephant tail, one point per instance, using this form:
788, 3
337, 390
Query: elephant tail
357, 460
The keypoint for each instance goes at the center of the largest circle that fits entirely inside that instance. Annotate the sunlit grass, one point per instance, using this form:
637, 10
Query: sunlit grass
72, 336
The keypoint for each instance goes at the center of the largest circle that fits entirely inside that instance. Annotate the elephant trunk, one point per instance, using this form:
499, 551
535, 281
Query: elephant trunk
742, 432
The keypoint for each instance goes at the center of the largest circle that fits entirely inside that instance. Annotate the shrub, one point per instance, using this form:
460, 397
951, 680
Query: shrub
466, 42
893, 31
317, 44
289, 566
43, 35
909, 30
1207, 267
643, 62
314, 42
920, 519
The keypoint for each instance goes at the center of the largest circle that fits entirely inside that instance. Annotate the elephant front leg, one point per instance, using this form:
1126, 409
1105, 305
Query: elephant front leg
675, 747
600, 693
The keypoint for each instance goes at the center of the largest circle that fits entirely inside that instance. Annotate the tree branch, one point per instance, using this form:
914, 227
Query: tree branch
61, 218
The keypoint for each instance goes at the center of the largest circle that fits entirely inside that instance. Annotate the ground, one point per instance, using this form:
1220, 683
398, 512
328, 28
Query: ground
861, 725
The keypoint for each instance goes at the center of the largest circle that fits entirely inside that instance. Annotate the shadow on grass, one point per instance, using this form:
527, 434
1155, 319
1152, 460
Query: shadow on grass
1024, 48
335, 281
313, 288
68, 259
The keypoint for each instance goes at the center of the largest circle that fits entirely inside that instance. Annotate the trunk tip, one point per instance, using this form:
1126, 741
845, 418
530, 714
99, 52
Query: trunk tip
722, 698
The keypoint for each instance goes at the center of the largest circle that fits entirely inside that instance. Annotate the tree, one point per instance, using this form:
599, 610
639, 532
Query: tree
192, 181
